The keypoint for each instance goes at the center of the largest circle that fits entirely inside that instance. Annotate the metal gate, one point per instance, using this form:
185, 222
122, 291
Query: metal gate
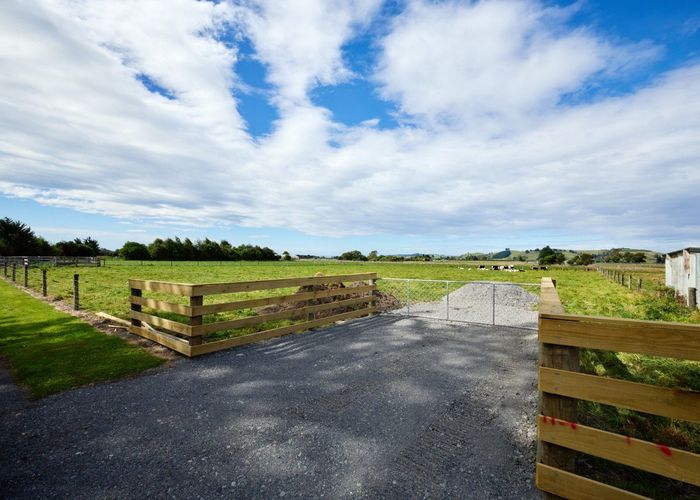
479, 302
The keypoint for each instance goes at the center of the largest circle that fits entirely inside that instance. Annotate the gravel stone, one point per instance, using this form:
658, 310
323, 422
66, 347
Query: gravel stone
380, 407
474, 303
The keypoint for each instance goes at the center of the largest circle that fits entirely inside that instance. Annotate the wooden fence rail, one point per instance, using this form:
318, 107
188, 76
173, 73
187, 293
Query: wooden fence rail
188, 337
560, 435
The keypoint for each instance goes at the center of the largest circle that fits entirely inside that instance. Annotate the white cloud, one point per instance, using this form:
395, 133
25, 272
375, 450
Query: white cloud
490, 150
488, 66
300, 41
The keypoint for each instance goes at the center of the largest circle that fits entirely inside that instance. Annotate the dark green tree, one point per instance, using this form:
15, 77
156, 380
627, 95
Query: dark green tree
16, 238
352, 255
133, 250
548, 256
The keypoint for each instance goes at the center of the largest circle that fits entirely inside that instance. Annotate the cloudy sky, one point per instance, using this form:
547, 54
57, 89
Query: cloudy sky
318, 126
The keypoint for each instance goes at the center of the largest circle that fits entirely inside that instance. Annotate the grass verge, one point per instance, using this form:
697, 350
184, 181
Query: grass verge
51, 351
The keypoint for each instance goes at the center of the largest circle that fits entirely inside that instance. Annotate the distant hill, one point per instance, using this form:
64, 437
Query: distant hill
531, 255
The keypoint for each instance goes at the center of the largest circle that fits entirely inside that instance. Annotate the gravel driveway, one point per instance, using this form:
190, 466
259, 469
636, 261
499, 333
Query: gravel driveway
386, 407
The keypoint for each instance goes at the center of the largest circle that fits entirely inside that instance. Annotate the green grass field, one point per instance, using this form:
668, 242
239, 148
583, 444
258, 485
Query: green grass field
51, 351
106, 288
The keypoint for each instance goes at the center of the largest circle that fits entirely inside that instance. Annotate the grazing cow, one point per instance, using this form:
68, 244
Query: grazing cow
482, 267
535, 268
495, 268
544, 268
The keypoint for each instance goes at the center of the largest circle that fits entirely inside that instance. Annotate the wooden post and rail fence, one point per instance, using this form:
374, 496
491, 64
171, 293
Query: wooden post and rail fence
188, 337
560, 436
619, 277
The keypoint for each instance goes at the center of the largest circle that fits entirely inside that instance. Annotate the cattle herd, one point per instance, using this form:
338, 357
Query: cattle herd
510, 268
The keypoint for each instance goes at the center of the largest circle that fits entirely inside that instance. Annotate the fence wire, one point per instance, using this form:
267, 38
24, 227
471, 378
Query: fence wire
488, 303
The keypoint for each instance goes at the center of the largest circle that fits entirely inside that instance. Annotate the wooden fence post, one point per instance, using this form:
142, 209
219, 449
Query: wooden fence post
14, 272
26, 275
692, 298
136, 292
639, 283
196, 320
552, 405
76, 292
43, 282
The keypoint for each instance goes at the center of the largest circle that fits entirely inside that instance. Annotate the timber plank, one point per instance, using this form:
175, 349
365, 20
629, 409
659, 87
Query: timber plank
163, 305
656, 458
163, 323
162, 338
549, 298
560, 357
568, 485
276, 332
673, 403
248, 286
672, 340
266, 301
163, 286
292, 313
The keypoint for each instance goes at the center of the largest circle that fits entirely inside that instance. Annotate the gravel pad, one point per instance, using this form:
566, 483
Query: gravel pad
474, 303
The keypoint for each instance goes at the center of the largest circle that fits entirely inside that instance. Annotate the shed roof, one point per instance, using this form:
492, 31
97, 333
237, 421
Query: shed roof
688, 249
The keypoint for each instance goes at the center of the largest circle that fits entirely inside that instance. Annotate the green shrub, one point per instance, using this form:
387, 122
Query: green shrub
664, 305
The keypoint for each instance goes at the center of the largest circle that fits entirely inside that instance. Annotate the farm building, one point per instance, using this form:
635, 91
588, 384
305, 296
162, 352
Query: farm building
683, 273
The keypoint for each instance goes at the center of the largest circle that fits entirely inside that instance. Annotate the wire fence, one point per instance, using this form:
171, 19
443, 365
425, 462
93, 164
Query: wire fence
479, 302
44, 261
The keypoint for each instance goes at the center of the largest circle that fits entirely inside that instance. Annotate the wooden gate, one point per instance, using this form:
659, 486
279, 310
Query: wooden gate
560, 435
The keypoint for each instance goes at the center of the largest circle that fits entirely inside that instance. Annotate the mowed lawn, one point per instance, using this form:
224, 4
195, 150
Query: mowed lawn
51, 351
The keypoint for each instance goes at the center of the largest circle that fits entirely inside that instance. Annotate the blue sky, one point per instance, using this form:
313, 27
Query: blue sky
323, 126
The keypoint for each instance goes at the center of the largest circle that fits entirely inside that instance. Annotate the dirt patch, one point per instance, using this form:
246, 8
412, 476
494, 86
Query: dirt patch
386, 302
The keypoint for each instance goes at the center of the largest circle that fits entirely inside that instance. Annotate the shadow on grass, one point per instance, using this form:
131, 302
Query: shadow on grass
51, 351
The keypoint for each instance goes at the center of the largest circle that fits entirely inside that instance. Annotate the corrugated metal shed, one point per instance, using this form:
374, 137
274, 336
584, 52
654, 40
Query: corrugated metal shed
683, 270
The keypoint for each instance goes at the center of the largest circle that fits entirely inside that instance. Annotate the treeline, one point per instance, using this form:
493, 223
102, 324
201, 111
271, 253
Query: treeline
206, 249
617, 255
17, 238
375, 257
